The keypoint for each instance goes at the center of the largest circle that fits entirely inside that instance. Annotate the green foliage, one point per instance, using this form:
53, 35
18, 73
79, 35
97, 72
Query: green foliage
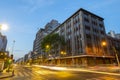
52, 39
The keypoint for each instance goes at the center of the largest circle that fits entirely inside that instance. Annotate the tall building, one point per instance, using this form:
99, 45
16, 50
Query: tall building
49, 27
84, 33
3, 42
37, 42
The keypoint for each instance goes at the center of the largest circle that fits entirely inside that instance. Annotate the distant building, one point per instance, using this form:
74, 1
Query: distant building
3, 42
49, 27
113, 34
117, 36
114, 44
37, 42
28, 57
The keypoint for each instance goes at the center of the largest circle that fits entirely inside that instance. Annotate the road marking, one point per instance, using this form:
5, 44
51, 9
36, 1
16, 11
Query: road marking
26, 74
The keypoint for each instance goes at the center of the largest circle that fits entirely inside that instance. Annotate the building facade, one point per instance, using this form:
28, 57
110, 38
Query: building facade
117, 36
84, 33
113, 34
37, 50
114, 47
3, 42
37, 42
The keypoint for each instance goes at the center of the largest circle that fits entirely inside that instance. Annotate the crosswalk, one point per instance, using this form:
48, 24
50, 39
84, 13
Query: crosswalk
29, 76
22, 74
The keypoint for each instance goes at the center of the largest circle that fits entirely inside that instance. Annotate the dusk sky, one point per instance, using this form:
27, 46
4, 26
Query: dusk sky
25, 17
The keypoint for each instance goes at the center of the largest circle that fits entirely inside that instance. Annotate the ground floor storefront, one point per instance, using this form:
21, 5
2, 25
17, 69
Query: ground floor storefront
82, 61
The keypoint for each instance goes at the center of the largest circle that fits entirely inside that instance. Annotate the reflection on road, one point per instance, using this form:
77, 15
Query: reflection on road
38, 73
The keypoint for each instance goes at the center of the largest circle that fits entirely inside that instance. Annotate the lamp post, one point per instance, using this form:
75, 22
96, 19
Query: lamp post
64, 54
47, 50
103, 46
3, 27
13, 46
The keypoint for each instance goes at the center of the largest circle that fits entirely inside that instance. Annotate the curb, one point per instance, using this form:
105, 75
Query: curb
7, 74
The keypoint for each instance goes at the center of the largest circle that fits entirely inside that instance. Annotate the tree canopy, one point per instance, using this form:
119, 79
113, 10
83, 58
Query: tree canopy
52, 39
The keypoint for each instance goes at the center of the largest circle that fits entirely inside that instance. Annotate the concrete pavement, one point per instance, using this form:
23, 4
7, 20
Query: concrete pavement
6, 74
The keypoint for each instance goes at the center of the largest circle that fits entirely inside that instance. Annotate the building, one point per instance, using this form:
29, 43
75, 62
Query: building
113, 34
49, 27
114, 46
84, 33
3, 42
117, 36
39, 36
3, 53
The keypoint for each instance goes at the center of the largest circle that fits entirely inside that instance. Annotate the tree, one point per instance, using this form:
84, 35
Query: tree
54, 41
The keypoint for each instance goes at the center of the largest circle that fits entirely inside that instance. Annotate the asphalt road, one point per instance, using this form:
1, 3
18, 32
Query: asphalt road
37, 73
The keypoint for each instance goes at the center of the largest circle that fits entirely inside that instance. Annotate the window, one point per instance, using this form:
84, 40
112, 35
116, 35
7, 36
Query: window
86, 20
101, 25
87, 27
94, 23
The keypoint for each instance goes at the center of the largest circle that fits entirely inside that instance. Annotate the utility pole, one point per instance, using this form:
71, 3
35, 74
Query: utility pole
13, 46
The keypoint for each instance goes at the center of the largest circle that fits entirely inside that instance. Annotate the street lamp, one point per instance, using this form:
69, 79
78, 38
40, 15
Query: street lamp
13, 46
63, 53
47, 46
104, 43
103, 47
3, 27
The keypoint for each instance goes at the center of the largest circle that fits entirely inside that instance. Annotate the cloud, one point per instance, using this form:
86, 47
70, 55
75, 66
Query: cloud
33, 5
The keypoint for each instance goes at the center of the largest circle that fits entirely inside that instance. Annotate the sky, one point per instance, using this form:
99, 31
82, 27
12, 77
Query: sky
25, 17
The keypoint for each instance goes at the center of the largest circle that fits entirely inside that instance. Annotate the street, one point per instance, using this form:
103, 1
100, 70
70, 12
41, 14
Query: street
37, 73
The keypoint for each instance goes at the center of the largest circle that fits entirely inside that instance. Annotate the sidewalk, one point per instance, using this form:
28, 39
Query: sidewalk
6, 74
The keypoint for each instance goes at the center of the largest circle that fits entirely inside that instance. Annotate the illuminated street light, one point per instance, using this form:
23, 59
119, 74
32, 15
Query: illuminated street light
3, 27
64, 54
104, 43
103, 47
61, 52
47, 46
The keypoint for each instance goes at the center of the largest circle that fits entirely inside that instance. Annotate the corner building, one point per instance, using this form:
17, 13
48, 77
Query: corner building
84, 33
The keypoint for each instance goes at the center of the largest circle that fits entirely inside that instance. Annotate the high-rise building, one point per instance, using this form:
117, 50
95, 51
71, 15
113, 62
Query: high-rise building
39, 36
49, 27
